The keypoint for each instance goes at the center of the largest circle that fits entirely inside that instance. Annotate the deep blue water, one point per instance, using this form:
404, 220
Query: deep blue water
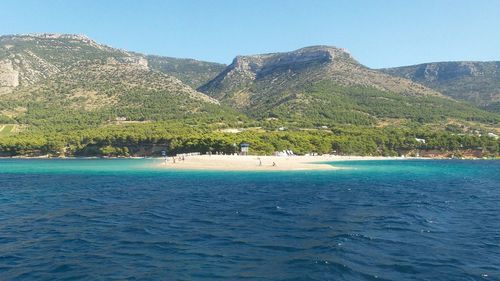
126, 220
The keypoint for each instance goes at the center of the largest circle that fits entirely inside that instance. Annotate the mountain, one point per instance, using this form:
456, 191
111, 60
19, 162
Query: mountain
28, 59
45, 77
471, 81
324, 84
70, 79
192, 72
67, 95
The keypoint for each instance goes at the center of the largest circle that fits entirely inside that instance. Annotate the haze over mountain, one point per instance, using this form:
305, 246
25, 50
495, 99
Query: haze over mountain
472, 81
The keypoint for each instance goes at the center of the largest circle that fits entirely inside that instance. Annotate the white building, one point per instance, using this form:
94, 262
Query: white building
422, 141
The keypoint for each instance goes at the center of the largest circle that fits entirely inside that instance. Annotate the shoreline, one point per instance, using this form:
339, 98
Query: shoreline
247, 163
263, 163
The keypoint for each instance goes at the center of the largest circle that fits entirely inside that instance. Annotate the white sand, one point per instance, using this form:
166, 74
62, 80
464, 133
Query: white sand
252, 162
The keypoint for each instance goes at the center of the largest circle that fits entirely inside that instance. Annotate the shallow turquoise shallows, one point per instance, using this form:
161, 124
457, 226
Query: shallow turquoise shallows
130, 219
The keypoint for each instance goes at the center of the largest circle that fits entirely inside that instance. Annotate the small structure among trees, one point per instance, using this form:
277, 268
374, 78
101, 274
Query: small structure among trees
244, 148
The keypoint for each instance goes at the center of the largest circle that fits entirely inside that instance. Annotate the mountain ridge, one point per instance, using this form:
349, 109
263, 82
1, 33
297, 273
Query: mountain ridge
69, 95
30, 58
322, 81
304, 81
336, 60
477, 82
57, 73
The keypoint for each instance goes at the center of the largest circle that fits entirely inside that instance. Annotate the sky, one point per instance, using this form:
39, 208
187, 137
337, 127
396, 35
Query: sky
381, 33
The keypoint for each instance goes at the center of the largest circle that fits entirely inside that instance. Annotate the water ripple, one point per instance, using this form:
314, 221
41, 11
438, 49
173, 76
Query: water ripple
392, 220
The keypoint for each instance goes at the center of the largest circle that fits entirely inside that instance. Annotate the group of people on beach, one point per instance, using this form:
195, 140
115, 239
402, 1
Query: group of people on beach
260, 162
179, 158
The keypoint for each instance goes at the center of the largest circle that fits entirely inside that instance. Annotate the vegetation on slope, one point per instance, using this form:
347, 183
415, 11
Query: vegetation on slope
191, 72
325, 85
328, 103
77, 97
90, 94
176, 137
474, 82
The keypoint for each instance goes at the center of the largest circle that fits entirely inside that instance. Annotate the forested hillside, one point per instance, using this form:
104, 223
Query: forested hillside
192, 72
323, 84
66, 95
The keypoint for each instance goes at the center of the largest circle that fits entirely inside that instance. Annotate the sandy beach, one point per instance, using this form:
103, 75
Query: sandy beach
261, 163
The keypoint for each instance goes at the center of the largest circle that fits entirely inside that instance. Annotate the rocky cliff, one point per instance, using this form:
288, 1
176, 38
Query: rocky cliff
279, 72
475, 82
31, 58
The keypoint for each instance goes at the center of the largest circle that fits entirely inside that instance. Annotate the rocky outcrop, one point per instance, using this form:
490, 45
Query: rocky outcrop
30, 58
245, 70
9, 77
83, 75
138, 62
446, 71
260, 65
257, 76
472, 81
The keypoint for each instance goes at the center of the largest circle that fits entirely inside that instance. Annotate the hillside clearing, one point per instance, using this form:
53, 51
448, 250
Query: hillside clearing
7, 129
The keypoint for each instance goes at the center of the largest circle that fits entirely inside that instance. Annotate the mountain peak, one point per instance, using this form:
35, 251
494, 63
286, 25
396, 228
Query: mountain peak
26, 59
322, 48
251, 79
473, 81
59, 36
253, 66
319, 53
79, 37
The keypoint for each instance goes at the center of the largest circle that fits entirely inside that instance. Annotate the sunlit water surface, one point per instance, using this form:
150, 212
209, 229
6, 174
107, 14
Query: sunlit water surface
130, 220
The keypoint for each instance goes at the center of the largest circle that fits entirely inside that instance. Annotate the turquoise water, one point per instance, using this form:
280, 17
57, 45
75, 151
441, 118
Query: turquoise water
88, 219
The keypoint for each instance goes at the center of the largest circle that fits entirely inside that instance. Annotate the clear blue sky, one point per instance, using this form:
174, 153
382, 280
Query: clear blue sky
378, 33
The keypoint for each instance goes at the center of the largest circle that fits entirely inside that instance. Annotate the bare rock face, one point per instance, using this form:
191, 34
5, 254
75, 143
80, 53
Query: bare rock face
54, 37
253, 81
30, 58
33, 68
473, 81
137, 62
57, 36
299, 59
447, 71
9, 77
245, 70
261, 65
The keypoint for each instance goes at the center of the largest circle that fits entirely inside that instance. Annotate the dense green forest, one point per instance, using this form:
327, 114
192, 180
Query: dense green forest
326, 102
179, 137
341, 120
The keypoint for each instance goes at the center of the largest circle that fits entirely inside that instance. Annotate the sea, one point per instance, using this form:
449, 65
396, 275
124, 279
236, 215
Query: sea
130, 219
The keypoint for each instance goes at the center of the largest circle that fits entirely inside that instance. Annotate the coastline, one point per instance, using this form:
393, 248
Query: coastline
262, 163
247, 163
